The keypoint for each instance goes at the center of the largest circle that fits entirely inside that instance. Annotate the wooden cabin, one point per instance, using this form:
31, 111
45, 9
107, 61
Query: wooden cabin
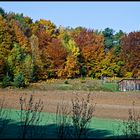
129, 84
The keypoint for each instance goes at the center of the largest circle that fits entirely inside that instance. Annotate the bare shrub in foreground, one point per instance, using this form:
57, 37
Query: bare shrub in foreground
82, 113
74, 122
63, 121
30, 116
132, 125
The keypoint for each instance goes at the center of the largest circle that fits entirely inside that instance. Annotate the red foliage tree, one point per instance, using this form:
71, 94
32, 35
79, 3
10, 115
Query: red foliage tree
91, 48
131, 53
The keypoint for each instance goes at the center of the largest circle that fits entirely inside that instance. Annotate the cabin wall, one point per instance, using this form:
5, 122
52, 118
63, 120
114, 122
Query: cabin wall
129, 85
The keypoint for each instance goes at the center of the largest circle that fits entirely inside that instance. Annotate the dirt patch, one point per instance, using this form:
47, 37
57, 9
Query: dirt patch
108, 104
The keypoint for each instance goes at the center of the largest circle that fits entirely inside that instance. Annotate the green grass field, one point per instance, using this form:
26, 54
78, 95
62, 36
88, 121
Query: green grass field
87, 84
98, 128
110, 87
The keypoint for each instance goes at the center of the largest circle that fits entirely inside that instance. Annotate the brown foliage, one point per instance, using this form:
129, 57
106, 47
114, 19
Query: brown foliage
57, 53
130, 52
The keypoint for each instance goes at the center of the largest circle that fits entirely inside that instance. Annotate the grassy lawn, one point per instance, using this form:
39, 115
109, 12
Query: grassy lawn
110, 86
87, 84
98, 128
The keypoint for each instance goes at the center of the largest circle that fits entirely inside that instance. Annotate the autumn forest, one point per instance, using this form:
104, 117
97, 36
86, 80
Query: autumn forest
32, 51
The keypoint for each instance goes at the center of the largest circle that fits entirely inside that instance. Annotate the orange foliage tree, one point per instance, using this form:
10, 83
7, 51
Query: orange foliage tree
56, 54
20, 38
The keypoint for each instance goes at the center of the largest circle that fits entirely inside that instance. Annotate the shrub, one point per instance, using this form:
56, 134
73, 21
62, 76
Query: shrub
30, 116
74, 122
83, 71
34, 73
63, 121
128, 74
132, 125
19, 80
51, 74
66, 82
83, 81
82, 113
6, 81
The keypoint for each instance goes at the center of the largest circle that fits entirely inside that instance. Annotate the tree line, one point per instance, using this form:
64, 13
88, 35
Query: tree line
32, 51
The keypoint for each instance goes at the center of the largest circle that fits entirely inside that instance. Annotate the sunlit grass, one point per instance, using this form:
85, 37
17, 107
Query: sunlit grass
87, 84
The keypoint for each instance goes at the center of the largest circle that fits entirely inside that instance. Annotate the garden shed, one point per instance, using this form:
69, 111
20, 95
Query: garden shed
129, 84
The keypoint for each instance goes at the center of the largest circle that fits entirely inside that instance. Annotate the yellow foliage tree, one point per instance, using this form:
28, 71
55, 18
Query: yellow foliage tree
48, 25
5, 38
71, 68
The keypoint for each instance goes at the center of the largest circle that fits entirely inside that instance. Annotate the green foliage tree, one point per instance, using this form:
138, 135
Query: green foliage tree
19, 62
15, 59
6, 81
2, 12
108, 38
117, 42
19, 80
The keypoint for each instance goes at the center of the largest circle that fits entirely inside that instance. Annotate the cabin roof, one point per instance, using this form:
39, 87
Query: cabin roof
129, 79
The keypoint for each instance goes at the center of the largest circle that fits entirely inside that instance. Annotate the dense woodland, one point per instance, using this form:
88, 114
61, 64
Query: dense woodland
32, 51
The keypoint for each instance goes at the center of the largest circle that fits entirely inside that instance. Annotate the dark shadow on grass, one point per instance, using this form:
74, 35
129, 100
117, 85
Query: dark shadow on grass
4, 124
13, 130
